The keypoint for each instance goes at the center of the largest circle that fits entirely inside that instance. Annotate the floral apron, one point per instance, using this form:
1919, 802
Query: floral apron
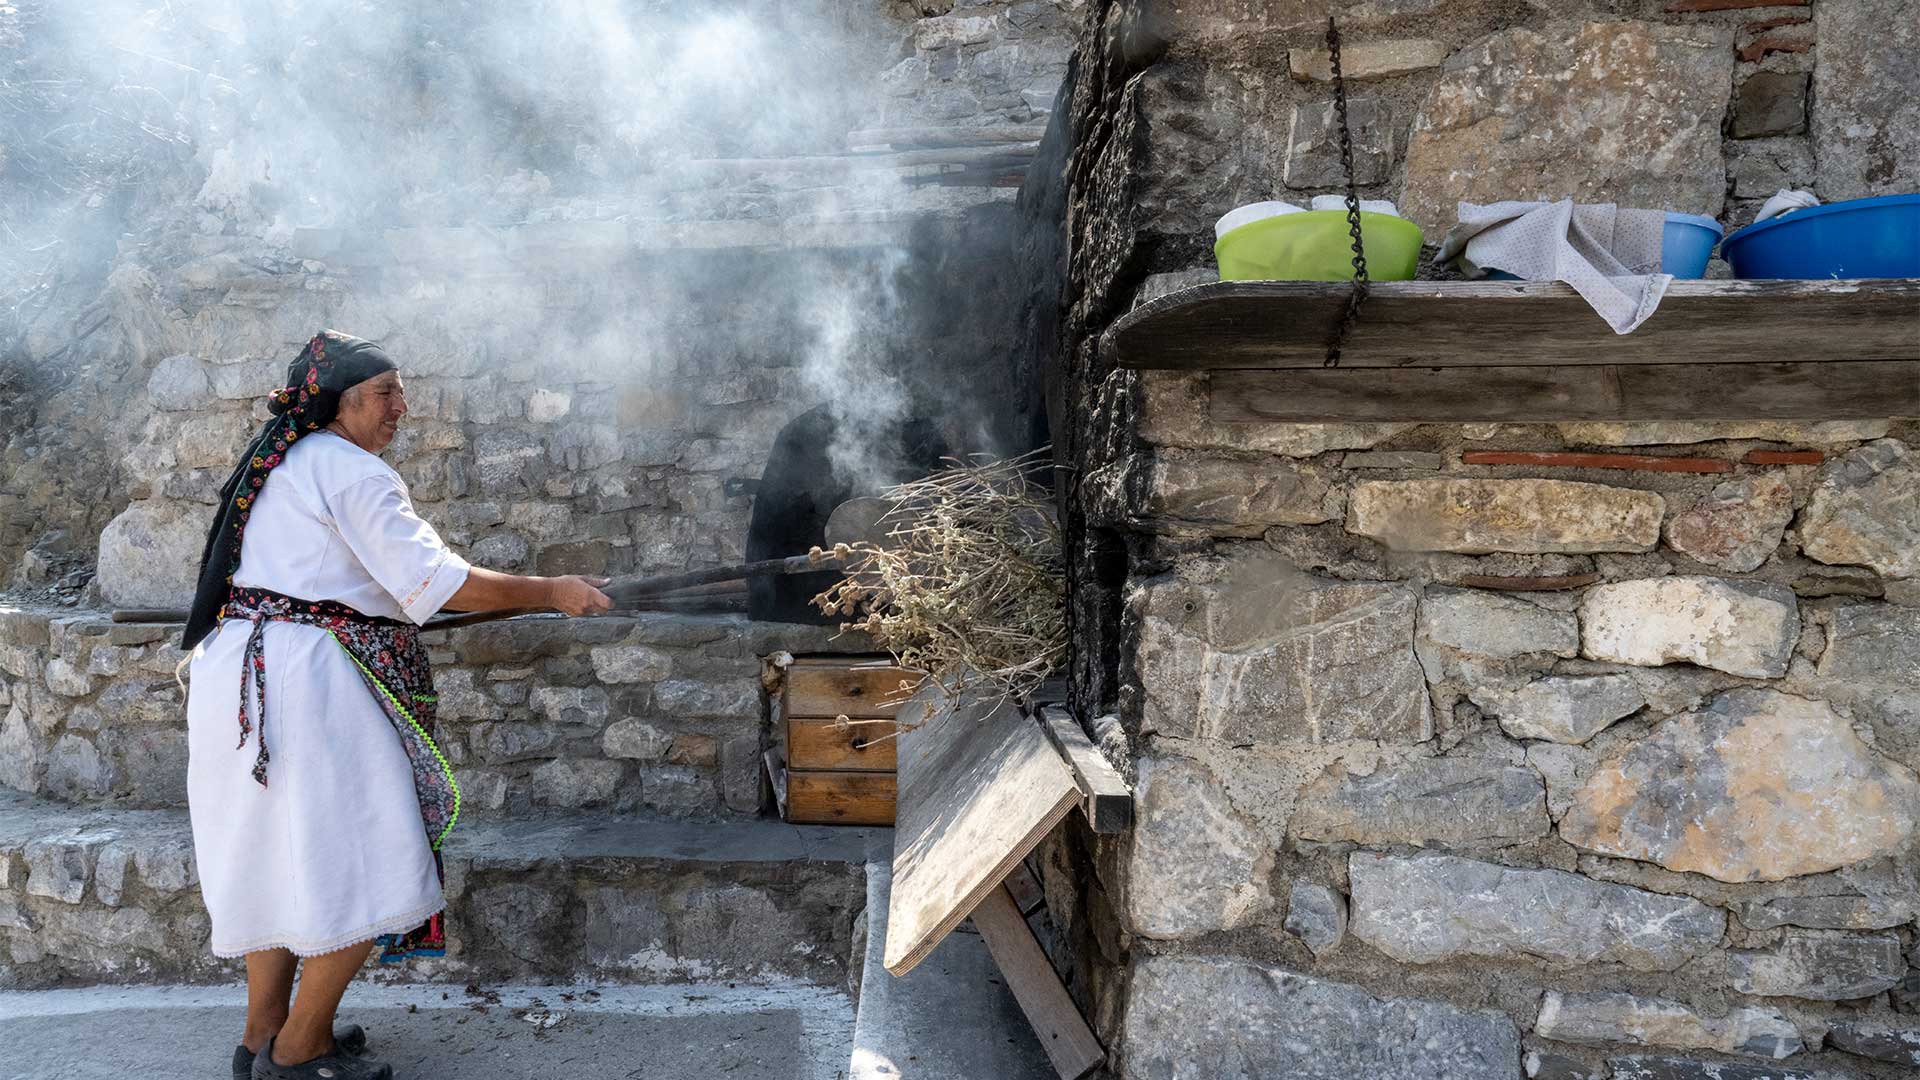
393, 662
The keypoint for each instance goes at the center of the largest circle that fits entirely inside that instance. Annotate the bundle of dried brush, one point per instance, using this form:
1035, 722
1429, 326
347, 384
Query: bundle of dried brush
970, 586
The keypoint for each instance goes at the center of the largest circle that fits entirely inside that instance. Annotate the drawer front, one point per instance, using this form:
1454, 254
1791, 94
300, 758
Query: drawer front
839, 798
823, 744
840, 690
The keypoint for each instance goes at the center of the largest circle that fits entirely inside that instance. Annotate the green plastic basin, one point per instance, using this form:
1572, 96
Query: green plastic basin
1316, 246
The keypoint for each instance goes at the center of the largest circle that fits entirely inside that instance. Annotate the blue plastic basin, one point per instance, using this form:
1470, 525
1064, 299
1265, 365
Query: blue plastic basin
1686, 243
1859, 238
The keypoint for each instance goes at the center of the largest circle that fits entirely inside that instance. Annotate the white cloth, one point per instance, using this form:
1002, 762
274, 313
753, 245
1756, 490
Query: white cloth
1610, 256
1786, 201
332, 852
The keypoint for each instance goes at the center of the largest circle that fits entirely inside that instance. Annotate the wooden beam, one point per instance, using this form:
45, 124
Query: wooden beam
1104, 795
1285, 324
1749, 391
1063, 1032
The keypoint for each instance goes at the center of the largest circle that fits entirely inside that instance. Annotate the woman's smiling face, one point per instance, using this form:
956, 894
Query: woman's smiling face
370, 412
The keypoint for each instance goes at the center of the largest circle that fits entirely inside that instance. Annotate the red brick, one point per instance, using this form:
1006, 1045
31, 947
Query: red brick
1784, 457
1681, 6
1635, 462
1527, 584
1771, 43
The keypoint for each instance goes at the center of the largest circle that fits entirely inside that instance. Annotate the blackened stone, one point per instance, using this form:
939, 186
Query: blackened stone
1770, 103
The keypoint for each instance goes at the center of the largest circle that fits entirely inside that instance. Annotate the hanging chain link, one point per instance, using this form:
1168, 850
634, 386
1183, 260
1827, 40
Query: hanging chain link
1361, 285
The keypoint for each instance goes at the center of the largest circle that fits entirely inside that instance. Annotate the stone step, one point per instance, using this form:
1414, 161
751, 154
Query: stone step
94, 895
950, 1018
657, 713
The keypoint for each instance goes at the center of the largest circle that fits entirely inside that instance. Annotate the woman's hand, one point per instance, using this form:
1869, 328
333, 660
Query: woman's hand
576, 595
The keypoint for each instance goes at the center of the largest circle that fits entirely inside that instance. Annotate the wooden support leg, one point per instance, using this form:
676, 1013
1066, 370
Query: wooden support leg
1069, 1043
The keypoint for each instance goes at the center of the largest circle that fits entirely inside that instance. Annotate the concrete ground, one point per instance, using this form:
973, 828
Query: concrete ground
435, 1032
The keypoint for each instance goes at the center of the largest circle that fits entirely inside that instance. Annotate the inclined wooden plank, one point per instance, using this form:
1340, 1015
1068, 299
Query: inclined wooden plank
840, 798
977, 794
1064, 1034
1868, 389
845, 690
1285, 324
1104, 796
824, 744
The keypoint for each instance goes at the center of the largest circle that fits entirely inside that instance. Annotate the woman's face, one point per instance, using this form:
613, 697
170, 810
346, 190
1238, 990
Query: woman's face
370, 412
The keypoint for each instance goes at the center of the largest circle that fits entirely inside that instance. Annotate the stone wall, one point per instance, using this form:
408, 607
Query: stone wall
1459, 751
660, 714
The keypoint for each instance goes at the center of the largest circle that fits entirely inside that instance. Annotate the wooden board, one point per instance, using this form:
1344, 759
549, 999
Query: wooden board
824, 744
1869, 389
823, 688
1286, 324
839, 798
977, 794
1063, 1032
1104, 795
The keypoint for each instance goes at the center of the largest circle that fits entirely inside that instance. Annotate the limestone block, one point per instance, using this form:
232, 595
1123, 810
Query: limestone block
630, 663
570, 704
696, 697
1317, 915
507, 741
1477, 517
1604, 1018
1174, 411
22, 755
1666, 432
1234, 491
1622, 112
546, 406
1770, 103
740, 767
1648, 1067
1368, 59
1821, 965
59, 866
460, 699
247, 379
1757, 786
1425, 909
501, 551
1872, 664
1561, 708
506, 461
1828, 912
1737, 525
1879, 1040
179, 384
1489, 624
1741, 627
75, 770
1565, 767
68, 679
1760, 167
1866, 98
1266, 654
1425, 802
1866, 511
571, 784
150, 554
1231, 1019
1313, 144
677, 790
636, 739
1195, 865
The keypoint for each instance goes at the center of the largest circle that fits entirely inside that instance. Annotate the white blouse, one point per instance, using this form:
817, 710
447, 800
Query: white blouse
334, 522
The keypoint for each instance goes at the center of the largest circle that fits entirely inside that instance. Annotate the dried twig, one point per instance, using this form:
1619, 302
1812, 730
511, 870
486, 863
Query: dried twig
971, 585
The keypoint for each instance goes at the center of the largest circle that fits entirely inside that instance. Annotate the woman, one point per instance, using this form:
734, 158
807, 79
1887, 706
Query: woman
320, 834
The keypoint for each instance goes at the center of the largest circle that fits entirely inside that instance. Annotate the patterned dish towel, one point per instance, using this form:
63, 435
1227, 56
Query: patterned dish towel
1610, 256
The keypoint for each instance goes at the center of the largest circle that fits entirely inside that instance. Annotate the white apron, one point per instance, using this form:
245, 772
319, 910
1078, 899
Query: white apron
331, 852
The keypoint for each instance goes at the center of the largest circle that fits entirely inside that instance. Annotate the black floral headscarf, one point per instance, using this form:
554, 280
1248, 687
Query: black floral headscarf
329, 365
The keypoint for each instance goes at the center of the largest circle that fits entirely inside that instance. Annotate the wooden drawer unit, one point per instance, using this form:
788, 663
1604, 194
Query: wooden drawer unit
826, 772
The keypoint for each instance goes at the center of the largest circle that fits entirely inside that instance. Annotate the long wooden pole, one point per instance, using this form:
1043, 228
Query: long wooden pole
622, 593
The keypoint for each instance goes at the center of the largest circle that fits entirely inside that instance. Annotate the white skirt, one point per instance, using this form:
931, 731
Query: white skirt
332, 851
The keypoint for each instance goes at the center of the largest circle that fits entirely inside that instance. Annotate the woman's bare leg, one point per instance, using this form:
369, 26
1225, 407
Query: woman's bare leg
323, 979
269, 994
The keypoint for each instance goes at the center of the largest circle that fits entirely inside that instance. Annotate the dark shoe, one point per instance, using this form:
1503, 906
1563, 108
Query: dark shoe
335, 1066
352, 1039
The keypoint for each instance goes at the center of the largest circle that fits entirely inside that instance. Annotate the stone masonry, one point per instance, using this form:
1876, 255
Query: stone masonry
1572, 770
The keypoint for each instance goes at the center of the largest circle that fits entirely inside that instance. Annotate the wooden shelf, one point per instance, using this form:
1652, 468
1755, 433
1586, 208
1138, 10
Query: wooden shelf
1534, 351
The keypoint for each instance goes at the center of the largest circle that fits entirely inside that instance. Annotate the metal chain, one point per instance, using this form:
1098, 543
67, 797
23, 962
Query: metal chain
1361, 285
